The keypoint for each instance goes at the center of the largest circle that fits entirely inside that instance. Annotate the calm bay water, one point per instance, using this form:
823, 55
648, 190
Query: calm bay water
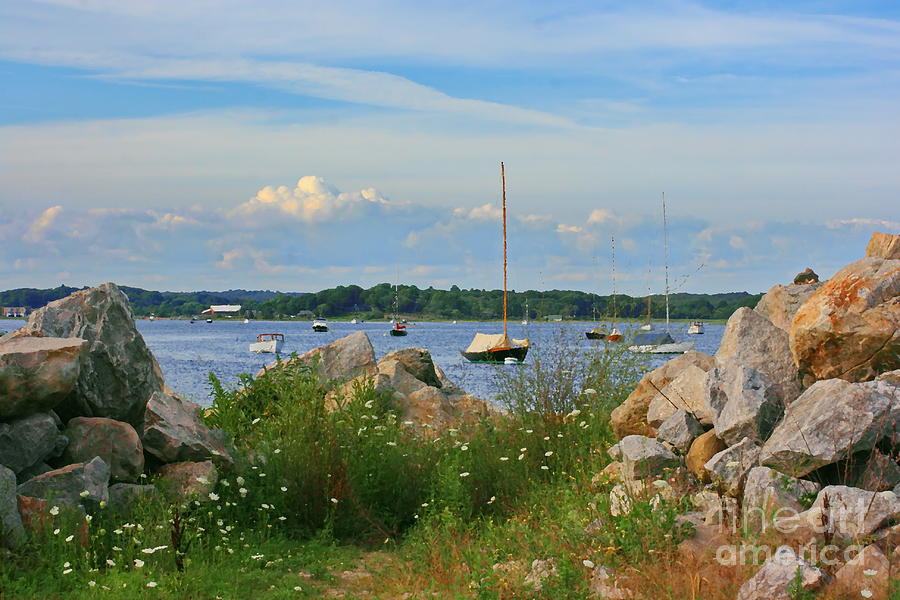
188, 352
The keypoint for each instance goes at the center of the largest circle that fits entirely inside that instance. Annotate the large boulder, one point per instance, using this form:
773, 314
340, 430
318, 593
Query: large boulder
12, 533
418, 363
643, 457
832, 420
630, 418
116, 442
342, 359
685, 392
118, 374
776, 579
81, 483
768, 492
174, 432
125, 496
850, 327
744, 403
37, 373
851, 513
680, 430
780, 304
399, 379
730, 467
702, 449
883, 245
866, 575
751, 340
27, 441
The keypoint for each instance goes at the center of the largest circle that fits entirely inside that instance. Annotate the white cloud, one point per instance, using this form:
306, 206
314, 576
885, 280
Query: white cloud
35, 233
863, 223
485, 212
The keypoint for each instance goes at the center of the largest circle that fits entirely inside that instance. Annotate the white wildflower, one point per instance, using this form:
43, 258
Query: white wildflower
54, 510
84, 494
138, 563
151, 584
213, 496
70, 538
464, 474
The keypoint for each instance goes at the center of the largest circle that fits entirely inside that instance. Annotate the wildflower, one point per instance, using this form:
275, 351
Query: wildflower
54, 510
464, 474
151, 584
529, 431
277, 451
88, 518
546, 438
138, 563
545, 468
202, 479
152, 550
110, 562
369, 404
255, 421
491, 501
504, 458
92, 583
265, 506
590, 391
261, 474
67, 571
225, 482
283, 489
56, 532
424, 505
118, 531
464, 448
66, 565
334, 500
297, 588
243, 491
588, 563
70, 538
240, 480
282, 518
523, 449
392, 443
548, 453
84, 494
521, 456
213, 496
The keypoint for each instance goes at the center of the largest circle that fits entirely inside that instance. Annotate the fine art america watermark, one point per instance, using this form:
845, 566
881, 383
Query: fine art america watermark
817, 526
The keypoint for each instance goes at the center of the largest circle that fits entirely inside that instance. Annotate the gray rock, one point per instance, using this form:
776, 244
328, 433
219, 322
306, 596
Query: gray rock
780, 304
78, 484
341, 360
26, 441
124, 496
751, 340
418, 363
604, 584
119, 373
730, 467
116, 442
769, 494
12, 532
37, 373
644, 457
830, 421
852, 513
686, 392
186, 480
680, 430
776, 577
398, 378
744, 403
879, 473
174, 432
33, 471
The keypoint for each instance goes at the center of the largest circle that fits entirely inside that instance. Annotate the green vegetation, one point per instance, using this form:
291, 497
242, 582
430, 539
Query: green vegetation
430, 303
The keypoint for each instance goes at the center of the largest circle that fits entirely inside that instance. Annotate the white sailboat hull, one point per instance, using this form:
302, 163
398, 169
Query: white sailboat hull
676, 348
267, 346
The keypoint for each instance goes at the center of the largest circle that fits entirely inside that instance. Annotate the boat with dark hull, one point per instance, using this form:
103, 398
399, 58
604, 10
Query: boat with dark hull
498, 348
595, 334
398, 330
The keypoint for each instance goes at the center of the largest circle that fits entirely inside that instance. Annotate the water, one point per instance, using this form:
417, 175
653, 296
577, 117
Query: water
188, 352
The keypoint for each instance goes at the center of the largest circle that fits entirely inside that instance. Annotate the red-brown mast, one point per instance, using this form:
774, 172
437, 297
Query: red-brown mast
503, 185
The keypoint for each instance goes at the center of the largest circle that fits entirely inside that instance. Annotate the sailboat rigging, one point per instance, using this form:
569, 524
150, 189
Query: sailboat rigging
597, 333
498, 348
398, 329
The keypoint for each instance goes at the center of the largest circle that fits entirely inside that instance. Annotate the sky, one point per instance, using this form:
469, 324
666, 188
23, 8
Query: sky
293, 145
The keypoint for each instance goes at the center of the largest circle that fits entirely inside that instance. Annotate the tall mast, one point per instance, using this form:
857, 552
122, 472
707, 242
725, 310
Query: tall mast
649, 292
614, 277
503, 186
666, 244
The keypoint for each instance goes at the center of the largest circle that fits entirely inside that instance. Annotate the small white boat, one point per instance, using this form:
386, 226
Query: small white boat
319, 325
454, 322
674, 348
246, 321
647, 327
151, 318
354, 321
267, 343
696, 328
209, 320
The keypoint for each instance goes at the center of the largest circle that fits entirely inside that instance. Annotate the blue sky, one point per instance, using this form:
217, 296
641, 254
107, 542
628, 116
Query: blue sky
186, 144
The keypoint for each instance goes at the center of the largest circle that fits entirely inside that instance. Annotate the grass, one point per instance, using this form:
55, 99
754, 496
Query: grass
345, 499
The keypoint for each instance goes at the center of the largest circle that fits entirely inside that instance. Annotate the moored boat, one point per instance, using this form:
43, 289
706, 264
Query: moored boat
398, 329
320, 325
696, 328
267, 343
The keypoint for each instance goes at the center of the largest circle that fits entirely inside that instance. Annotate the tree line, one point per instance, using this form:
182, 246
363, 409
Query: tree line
384, 300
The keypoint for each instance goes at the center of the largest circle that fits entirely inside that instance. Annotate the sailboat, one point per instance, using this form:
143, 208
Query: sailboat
498, 348
398, 329
597, 333
653, 342
525, 319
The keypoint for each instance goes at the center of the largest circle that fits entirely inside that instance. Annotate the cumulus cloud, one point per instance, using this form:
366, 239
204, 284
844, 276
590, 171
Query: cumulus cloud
485, 212
40, 225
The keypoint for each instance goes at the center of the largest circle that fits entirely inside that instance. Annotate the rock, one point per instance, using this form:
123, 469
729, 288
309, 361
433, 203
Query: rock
680, 430
33, 471
27, 441
830, 421
623, 495
751, 340
604, 585
398, 378
116, 442
644, 457
418, 363
770, 496
729, 468
174, 432
12, 533
80, 483
704, 542
540, 570
776, 577
780, 304
852, 513
341, 360
850, 327
879, 473
744, 403
806, 277
715, 509
686, 392
188, 479
118, 372
883, 245
37, 518
868, 570
702, 449
630, 418
37, 373
124, 496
